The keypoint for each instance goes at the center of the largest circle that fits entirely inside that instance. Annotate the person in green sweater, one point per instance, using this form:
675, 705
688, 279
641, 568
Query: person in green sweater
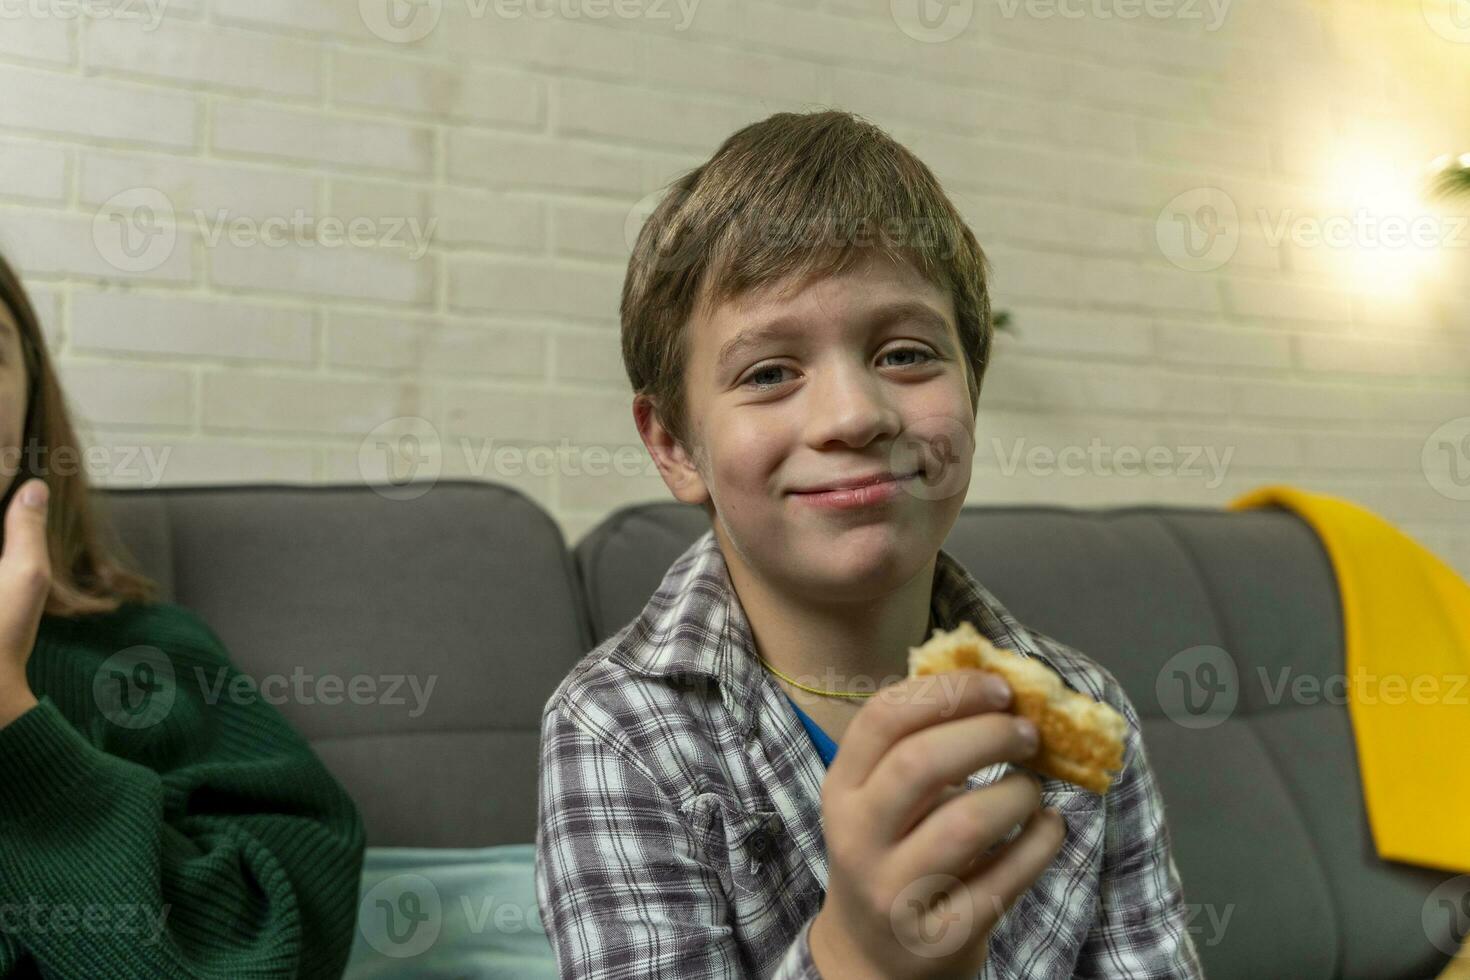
149, 827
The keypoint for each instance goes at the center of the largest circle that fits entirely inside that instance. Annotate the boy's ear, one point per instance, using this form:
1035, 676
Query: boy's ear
679, 470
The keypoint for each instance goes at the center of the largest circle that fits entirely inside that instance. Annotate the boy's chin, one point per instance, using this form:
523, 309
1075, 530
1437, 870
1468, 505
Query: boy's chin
897, 527
880, 554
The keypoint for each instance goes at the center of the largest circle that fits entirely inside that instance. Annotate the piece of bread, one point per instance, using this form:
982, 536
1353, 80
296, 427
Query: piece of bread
1081, 739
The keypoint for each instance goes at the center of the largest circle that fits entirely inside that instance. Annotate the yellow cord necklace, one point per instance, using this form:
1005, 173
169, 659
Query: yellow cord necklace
816, 690
825, 693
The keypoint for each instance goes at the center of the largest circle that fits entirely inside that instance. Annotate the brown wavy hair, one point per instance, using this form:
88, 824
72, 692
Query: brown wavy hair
90, 572
799, 195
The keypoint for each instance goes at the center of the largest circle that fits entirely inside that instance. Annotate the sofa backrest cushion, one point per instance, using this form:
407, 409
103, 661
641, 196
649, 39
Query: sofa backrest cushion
468, 588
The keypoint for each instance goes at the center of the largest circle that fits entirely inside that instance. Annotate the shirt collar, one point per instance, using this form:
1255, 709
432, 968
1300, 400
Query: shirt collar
694, 627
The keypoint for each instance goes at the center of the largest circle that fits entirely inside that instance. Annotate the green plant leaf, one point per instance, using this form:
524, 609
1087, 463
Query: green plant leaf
1453, 182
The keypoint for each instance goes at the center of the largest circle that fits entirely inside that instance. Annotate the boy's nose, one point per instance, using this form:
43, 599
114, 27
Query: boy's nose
850, 408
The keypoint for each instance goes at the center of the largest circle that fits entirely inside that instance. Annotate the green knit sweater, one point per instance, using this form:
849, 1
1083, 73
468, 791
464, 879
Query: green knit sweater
157, 823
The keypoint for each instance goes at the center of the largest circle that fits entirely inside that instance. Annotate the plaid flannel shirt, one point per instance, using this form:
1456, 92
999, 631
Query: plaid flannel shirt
679, 825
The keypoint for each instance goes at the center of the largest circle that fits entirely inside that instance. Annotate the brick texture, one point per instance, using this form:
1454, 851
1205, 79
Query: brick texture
264, 233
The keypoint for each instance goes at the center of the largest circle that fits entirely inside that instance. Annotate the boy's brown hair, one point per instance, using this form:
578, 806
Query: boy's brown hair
798, 194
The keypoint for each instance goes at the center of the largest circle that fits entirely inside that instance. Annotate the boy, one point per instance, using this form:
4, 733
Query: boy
806, 325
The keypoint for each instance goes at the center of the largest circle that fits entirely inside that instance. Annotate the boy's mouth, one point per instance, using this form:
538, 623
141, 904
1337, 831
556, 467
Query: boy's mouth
869, 491
858, 482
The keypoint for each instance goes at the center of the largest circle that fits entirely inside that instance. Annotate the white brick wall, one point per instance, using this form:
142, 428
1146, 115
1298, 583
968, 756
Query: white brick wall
368, 226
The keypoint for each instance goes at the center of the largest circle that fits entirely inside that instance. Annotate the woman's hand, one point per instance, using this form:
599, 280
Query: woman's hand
25, 581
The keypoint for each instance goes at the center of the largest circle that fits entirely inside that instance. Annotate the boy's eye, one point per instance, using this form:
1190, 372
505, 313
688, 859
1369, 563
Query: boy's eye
911, 350
759, 372
751, 382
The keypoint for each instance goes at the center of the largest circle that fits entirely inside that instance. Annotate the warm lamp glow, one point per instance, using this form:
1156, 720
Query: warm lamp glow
1389, 236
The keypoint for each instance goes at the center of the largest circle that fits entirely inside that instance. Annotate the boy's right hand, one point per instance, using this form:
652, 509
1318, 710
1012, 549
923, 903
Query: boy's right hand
911, 893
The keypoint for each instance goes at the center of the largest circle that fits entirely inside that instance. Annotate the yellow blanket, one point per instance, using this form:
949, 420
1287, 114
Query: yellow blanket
1406, 622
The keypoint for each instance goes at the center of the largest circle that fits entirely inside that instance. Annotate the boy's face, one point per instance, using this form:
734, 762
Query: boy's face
864, 374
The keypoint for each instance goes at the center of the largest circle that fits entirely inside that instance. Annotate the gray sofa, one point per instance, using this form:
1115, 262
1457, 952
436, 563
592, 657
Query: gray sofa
472, 585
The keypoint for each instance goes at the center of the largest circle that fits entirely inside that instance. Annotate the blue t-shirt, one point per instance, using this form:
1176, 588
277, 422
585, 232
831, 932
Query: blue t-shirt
826, 748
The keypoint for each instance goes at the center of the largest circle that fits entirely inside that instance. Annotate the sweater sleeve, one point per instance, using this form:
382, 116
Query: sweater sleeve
207, 841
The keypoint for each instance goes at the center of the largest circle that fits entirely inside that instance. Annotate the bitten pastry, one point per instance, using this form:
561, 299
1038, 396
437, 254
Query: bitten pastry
1081, 739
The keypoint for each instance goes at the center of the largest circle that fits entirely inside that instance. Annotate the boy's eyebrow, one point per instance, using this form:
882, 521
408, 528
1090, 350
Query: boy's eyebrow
887, 313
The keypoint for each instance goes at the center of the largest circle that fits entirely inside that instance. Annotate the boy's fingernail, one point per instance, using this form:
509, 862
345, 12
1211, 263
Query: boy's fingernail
33, 494
1027, 730
997, 688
